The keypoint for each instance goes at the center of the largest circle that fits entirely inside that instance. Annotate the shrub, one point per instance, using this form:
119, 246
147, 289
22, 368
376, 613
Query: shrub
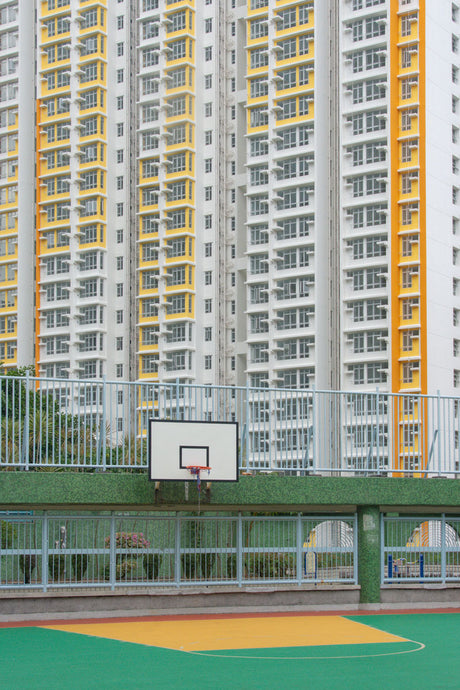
270, 565
152, 563
123, 569
7, 534
79, 563
128, 540
27, 563
232, 569
56, 566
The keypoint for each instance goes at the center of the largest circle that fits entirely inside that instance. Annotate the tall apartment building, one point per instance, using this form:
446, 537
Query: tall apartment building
261, 190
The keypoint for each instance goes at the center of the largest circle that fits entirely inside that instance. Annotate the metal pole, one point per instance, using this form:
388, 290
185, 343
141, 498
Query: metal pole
25, 431
45, 538
102, 430
247, 423
313, 415
439, 424
177, 564
112, 552
239, 551
443, 548
299, 540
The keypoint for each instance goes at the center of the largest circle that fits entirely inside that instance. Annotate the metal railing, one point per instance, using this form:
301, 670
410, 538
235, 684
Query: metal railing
418, 549
99, 424
56, 552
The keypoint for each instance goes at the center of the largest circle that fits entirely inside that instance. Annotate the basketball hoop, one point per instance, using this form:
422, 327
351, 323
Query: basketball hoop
195, 472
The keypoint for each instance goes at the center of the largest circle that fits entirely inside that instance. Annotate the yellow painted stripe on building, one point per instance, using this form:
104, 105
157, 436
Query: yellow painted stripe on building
397, 259
237, 633
422, 186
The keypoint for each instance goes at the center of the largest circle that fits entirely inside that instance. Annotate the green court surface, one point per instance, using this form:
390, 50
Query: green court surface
429, 657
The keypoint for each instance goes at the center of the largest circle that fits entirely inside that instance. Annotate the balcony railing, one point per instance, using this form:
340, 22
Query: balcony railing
99, 424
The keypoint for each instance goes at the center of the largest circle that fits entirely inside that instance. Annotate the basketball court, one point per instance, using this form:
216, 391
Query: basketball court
272, 650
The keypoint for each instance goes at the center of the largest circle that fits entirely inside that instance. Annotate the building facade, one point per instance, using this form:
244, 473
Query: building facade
222, 192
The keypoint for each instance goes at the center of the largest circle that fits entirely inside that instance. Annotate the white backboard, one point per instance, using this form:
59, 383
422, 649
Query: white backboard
174, 445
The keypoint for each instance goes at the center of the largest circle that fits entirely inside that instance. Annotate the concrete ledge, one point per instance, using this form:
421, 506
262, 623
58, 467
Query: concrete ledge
430, 594
148, 602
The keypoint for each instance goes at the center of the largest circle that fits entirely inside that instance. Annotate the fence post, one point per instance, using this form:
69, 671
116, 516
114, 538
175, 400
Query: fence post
45, 539
177, 400
239, 551
443, 548
177, 564
25, 430
355, 548
112, 552
102, 443
299, 539
247, 426
439, 439
313, 416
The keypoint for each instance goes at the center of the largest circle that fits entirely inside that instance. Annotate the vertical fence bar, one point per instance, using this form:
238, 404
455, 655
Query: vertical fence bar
443, 548
112, 552
25, 431
45, 537
355, 548
177, 547
103, 434
299, 548
439, 440
382, 549
248, 463
314, 428
239, 550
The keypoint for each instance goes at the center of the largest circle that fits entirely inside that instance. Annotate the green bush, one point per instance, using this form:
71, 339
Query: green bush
27, 563
232, 567
270, 565
123, 569
152, 563
79, 563
194, 565
7, 534
56, 566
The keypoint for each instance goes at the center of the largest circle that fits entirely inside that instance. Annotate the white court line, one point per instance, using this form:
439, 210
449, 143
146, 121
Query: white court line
293, 658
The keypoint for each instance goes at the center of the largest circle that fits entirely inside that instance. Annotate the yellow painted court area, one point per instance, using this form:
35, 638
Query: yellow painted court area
236, 633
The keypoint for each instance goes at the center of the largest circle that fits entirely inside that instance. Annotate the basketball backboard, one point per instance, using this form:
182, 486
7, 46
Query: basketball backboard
176, 445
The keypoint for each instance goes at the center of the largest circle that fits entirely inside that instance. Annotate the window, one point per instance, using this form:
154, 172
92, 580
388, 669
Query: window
208, 334
408, 338
208, 306
208, 361
208, 53
120, 22
207, 109
208, 81
259, 28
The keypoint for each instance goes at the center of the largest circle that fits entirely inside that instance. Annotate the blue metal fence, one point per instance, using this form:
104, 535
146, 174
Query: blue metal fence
56, 552
99, 424
420, 549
